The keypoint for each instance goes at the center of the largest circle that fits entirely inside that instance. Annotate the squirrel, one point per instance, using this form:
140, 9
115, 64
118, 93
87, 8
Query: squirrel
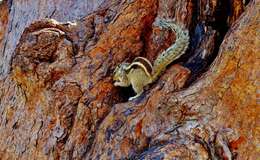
141, 72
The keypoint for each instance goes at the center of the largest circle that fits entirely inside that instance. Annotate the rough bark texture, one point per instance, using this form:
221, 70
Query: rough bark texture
23, 12
57, 99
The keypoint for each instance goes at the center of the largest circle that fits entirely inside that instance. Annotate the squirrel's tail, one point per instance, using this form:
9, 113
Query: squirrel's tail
174, 51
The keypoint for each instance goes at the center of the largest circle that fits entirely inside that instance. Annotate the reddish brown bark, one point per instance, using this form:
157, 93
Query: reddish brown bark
58, 100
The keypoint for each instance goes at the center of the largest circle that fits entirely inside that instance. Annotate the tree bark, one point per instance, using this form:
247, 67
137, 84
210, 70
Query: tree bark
57, 99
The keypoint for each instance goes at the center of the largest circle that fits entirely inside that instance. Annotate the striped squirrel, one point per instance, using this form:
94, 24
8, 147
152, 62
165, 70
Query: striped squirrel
141, 72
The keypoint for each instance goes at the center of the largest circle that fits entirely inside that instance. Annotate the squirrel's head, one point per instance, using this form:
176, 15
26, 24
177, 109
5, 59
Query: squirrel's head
120, 75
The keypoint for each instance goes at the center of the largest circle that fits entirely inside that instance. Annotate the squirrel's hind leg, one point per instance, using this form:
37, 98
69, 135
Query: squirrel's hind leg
138, 90
138, 79
136, 96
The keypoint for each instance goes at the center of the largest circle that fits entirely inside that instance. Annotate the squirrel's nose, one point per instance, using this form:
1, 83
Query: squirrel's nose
114, 79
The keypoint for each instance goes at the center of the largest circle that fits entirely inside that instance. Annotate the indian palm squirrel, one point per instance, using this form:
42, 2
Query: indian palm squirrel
141, 72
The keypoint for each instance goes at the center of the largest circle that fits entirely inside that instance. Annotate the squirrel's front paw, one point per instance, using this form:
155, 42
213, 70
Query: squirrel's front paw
117, 84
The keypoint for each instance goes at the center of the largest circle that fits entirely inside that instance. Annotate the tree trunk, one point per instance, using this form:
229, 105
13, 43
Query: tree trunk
57, 99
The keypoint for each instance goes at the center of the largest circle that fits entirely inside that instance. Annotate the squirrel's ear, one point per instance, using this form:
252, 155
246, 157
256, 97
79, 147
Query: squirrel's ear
116, 69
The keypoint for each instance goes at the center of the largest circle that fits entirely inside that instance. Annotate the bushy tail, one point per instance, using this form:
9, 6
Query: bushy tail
174, 51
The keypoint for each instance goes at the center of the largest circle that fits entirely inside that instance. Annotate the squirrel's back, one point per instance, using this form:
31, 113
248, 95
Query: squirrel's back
174, 51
